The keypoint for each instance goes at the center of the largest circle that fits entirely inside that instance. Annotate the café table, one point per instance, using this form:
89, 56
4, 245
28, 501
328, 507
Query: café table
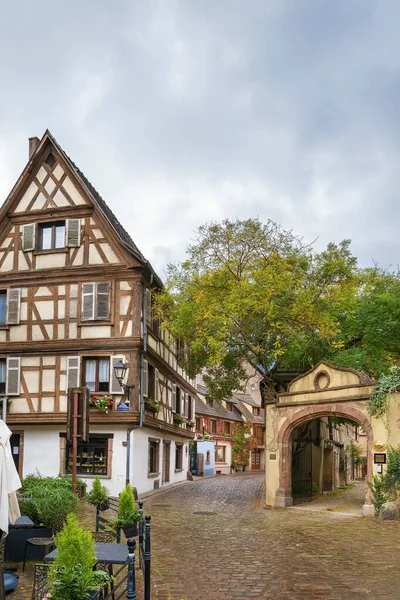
106, 553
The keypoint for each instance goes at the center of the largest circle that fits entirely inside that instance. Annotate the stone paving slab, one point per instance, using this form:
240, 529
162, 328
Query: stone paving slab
245, 551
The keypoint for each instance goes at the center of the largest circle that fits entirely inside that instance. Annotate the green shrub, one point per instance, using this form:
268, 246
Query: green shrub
385, 487
71, 574
29, 509
128, 510
52, 497
98, 494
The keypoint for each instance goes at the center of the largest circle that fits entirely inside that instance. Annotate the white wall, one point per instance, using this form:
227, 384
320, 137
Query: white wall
139, 459
42, 454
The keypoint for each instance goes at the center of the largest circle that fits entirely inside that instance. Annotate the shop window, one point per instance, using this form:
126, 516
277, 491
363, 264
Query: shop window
92, 458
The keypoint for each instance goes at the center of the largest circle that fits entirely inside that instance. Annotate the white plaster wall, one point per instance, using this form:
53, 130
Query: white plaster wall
139, 459
42, 454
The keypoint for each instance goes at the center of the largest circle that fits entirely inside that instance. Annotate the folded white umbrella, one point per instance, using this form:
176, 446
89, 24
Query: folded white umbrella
9, 481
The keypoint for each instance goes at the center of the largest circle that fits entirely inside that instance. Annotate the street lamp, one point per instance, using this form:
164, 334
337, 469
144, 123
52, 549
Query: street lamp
120, 372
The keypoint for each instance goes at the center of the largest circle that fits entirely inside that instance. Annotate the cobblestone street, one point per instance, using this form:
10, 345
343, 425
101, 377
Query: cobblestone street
213, 540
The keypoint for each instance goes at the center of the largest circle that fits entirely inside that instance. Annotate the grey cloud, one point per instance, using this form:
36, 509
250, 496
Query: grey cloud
186, 112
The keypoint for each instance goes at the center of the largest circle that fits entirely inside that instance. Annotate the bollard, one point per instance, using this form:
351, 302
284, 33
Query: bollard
131, 587
147, 558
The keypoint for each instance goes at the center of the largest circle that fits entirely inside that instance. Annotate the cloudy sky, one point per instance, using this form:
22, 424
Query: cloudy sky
182, 112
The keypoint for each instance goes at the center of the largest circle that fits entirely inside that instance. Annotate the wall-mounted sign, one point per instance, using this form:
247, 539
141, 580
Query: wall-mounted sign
272, 457
380, 459
122, 406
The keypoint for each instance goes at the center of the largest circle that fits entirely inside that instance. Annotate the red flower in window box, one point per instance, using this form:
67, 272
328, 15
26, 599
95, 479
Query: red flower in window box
101, 401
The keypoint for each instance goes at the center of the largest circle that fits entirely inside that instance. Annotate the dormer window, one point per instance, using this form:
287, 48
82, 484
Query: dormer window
51, 235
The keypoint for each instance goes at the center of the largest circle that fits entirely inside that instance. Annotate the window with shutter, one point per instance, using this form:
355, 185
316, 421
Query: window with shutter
13, 376
102, 301
190, 407
13, 306
115, 385
156, 386
96, 301
3, 307
174, 398
88, 301
73, 233
185, 405
145, 378
73, 368
28, 237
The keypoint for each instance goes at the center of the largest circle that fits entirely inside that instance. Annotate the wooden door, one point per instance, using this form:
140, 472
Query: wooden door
255, 459
166, 454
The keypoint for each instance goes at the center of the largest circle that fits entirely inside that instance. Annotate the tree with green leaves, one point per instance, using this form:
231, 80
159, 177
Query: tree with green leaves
254, 293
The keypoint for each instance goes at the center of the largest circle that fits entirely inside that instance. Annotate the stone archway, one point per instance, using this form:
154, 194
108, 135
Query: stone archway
324, 391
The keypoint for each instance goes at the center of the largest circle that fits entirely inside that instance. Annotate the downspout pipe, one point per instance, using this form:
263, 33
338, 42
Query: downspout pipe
144, 313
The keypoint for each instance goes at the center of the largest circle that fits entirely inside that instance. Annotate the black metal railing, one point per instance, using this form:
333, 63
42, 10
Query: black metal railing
145, 550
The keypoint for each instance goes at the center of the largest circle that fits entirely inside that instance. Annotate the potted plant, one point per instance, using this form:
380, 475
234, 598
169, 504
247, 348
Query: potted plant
179, 419
152, 406
101, 401
190, 423
98, 495
128, 513
71, 574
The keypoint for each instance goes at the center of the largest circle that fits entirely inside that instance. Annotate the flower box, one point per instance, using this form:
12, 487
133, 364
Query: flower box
101, 402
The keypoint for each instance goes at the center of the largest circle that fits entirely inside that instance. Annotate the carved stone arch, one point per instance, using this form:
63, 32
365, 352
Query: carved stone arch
284, 493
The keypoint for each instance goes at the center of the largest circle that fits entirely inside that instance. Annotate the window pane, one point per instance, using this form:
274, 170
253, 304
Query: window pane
46, 237
104, 370
3, 371
3, 307
90, 375
60, 236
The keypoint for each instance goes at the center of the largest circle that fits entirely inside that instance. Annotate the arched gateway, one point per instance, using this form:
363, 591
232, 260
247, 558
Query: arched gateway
324, 391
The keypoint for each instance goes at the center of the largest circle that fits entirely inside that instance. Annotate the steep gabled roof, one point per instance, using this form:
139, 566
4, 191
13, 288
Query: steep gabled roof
123, 235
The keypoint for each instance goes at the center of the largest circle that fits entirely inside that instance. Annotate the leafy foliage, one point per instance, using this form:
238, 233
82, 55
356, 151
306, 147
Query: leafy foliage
252, 292
53, 499
386, 486
379, 401
71, 573
98, 494
243, 444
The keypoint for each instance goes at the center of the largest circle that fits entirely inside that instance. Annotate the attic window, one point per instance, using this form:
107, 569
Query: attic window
51, 235
50, 160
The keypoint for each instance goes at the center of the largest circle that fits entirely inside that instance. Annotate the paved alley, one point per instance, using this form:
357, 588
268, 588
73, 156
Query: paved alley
213, 540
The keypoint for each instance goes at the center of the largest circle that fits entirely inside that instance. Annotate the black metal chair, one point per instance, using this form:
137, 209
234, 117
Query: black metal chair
47, 543
106, 537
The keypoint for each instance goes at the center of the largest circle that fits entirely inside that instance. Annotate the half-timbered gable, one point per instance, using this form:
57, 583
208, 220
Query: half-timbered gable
74, 289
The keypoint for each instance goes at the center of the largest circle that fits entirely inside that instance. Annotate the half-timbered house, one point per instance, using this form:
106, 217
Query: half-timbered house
74, 300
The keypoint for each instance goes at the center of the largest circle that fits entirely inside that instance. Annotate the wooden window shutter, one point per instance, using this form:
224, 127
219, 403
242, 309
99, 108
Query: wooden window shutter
13, 376
156, 386
185, 405
73, 233
173, 397
28, 237
13, 306
73, 371
102, 301
88, 303
115, 387
145, 378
